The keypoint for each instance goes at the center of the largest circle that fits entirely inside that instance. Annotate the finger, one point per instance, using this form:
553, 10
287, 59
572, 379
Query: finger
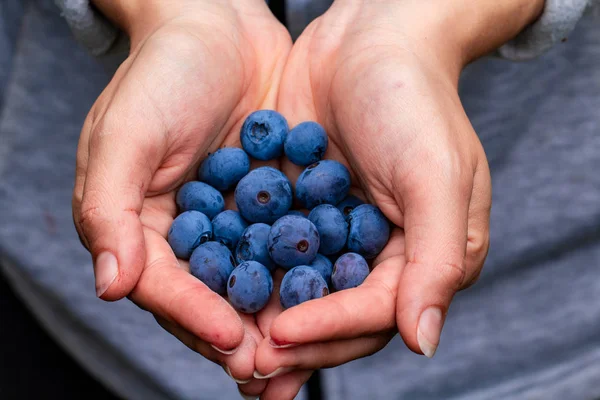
286, 387
478, 236
272, 362
253, 388
126, 146
171, 293
436, 204
367, 309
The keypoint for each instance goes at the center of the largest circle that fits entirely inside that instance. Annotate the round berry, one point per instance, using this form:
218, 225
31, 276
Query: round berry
263, 134
189, 230
324, 182
253, 246
300, 284
201, 197
228, 227
224, 168
332, 227
306, 143
264, 195
212, 263
249, 287
293, 241
369, 231
349, 271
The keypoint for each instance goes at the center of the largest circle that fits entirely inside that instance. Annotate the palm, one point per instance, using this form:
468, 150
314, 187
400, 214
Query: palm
182, 93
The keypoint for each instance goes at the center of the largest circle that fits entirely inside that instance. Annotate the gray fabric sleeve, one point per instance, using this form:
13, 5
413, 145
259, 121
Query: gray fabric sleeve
90, 27
557, 20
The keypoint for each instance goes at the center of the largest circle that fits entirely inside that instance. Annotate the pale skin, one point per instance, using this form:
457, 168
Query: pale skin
382, 77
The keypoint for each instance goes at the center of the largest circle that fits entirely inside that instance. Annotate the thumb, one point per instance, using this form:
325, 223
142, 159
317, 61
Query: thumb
125, 149
435, 226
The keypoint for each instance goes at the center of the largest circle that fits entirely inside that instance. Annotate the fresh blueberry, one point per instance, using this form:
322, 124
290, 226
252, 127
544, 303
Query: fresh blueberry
253, 246
300, 284
212, 263
201, 197
369, 231
297, 213
348, 204
264, 195
228, 227
306, 143
293, 241
189, 230
349, 271
324, 182
263, 134
324, 266
249, 287
332, 227
224, 168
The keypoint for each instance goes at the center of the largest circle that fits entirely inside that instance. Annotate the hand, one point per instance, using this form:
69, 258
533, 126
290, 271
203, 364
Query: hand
195, 70
382, 78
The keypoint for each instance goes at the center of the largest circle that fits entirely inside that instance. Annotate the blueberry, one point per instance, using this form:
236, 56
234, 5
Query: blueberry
300, 284
263, 134
324, 266
264, 195
189, 230
249, 287
212, 263
228, 227
369, 231
349, 271
306, 143
296, 212
332, 227
200, 197
324, 182
348, 204
293, 241
224, 168
253, 246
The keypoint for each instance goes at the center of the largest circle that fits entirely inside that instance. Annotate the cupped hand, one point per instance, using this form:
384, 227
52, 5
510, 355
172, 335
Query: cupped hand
384, 84
195, 70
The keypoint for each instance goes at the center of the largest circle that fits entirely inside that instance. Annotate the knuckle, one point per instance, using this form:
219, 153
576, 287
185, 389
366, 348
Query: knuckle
452, 274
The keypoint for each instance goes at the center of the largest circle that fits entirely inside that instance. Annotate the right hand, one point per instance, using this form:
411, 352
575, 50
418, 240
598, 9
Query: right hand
196, 69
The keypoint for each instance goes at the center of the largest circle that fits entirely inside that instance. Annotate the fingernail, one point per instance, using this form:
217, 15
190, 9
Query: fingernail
429, 330
277, 372
106, 270
226, 352
281, 345
228, 372
247, 397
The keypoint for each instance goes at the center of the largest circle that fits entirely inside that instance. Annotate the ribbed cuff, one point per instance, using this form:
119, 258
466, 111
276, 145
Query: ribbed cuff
556, 22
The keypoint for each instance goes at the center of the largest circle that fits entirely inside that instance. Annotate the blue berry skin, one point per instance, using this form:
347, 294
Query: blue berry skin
249, 287
349, 271
300, 284
253, 246
201, 197
369, 231
332, 227
263, 134
212, 263
348, 204
324, 182
228, 227
293, 241
324, 266
264, 195
296, 212
189, 230
306, 143
224, 168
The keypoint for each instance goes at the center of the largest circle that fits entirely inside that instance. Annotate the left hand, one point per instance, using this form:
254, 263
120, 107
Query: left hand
383, 80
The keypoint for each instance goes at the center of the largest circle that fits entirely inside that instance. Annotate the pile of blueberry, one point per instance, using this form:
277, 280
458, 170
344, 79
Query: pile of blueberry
235, 252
